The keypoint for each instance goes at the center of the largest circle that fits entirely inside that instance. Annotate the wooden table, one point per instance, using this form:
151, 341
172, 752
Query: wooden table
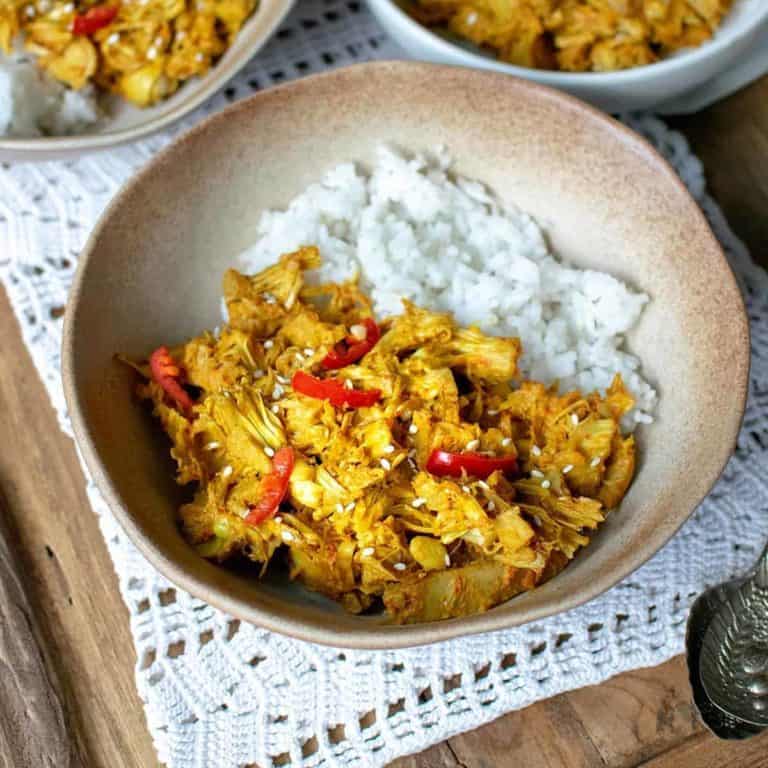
639, 718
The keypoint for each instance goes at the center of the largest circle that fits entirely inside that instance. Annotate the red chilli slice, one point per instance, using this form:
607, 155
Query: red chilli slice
447, 464
334, 391
167, 374
274, 487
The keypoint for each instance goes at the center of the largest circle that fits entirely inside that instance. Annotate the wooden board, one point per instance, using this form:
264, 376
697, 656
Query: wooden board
642, 718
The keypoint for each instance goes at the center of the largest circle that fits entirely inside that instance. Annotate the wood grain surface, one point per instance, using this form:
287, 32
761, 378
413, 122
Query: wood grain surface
643, 718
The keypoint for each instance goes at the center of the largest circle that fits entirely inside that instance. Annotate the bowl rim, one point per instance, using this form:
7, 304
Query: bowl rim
257, 31
375, 636
469, 58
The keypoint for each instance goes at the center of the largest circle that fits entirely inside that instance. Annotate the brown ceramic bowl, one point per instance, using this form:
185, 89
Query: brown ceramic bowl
151, 274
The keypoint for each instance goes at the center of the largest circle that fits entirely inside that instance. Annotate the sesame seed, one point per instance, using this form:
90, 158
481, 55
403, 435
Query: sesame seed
152, 53
299, 357
269, 451
268, 344
278, 519
412, 453
418, 502
412, 464
275, 408
567, 468
368, 551
574, 419
349, 506
447, 560
277, 392
113, 38
483, 485
466, 489
309, 351
227, 394
536, 473
287, 536
199, 56
506, 441
258, 373
348, 384
389, 448
413, 429
546, 484
30, 11
282, 379
181, 34
472, 445
212, 446
492, 412
491, 506
360, 332
472, 18
244, 512
384, 463
399, 566
535, 450
227, 471
159, 41
595, 462
269, 298
339, 507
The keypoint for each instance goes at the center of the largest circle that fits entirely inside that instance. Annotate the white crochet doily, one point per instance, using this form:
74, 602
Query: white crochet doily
220, 694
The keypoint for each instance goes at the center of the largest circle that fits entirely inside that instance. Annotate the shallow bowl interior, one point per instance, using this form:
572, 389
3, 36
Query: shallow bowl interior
151, 274
128, 123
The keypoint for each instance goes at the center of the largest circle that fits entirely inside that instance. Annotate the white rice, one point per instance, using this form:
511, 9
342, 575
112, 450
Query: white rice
34, 104
412, 230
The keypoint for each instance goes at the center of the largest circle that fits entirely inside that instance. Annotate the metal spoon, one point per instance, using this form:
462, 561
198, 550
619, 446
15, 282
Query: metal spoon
727, 647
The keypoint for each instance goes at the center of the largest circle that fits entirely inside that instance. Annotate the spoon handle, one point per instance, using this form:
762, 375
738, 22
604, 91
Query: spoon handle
761, 571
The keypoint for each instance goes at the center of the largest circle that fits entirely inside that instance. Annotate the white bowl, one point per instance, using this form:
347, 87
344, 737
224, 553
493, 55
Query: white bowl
129, 123
631, 89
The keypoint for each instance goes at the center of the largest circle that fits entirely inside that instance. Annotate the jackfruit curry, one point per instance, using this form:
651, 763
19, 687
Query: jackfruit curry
400, 461
142, 50
575, 35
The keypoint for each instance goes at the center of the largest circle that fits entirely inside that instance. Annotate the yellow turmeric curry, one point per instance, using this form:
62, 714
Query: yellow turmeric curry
400, 461
140, 49
576, 35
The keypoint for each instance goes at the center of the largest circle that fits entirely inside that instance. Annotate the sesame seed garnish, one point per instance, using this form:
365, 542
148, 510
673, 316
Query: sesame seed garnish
492, 412
472, 445
159, 41
339, 507
212, 446
309, 351
199, 56
360, 332
483, 485
491, 506
466, 489
367, 552
269, 298
567, 468
412, 464
275, 408
268, 344
277, 392
418, 502
181, 34
152, 53
594, 462
399, 566
227, 471
413, 429
244, 512
389, 448
447, 560
537, 473
113, 38
472, 18
546, 484
278, 519
282, 379
258, 373
412, 453
269, 451
287, 536
299, 357
506, 441
348, 384
349, 506
535, 450
385, 463
30, 11
574, 419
